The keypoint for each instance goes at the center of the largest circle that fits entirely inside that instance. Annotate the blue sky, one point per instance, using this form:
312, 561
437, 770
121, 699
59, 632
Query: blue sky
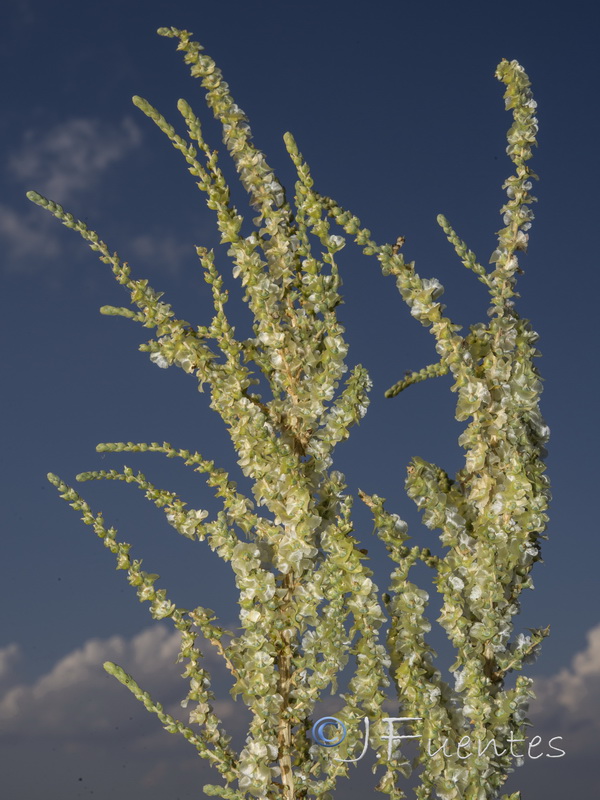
396, 108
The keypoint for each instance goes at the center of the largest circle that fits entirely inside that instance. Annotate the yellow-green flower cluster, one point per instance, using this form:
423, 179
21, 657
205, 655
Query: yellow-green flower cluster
492, 515
308, 605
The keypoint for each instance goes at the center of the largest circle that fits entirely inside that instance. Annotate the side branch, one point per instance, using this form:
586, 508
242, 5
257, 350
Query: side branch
468, 257
420, 294
432, 371
240, 507
222, 758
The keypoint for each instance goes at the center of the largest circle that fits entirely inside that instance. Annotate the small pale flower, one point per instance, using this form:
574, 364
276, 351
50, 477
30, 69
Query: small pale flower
336, 242
456, 582
159, 360
433, 285
475, 593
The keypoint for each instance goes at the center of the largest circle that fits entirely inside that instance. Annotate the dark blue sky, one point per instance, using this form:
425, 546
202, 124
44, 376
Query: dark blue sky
397, 111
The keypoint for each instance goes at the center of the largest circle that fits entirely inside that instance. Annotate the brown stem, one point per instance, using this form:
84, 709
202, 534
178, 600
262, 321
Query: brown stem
284, 663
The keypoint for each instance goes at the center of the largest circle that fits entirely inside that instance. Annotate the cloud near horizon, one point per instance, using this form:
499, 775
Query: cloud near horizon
77, 698
568, 704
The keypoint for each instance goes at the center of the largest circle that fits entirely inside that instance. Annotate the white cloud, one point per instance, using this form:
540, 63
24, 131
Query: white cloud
60, 163
77, 701
77, 721
77, 698
70, 157
28, 239
77, 731
568, 704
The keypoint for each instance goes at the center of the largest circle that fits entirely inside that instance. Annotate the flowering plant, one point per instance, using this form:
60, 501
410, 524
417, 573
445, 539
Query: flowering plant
307, 600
